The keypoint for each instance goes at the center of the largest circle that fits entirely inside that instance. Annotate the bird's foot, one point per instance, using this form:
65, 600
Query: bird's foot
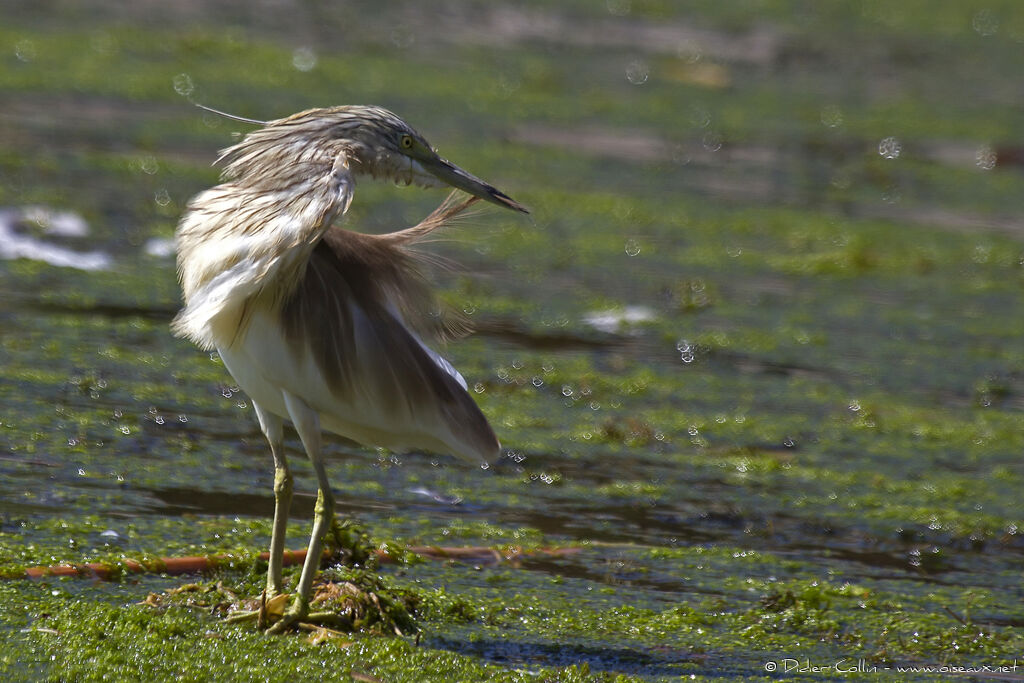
298, 617
271, 608
290, 619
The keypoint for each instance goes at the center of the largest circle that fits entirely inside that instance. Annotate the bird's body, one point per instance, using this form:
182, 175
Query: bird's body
316, 323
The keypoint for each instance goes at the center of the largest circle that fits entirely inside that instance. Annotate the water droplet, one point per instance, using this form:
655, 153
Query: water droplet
183, 85
986, 158
566, 390
985, 23
126, 430
25, 50
159, 419
103, 43
479, 387
788, 442
637, 72
402, 36
619, 8
982, 253
162, 197
304, 59
685, 349
149, 165
890, 148
841, 181
832, 116
712, 141
81, 472
680, 155
690, 51
632, 247
700, 117
485, 465
508, 85
537, 382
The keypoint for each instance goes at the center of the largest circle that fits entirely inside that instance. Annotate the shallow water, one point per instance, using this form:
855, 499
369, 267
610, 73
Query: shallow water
758, 349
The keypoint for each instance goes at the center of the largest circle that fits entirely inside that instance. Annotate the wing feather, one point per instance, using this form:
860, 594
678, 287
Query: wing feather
347, 313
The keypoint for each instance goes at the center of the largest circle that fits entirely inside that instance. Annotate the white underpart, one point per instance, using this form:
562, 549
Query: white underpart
265, 367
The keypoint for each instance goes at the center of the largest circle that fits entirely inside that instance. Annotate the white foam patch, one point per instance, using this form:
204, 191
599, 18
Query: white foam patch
160, 247
612, 321
15, 244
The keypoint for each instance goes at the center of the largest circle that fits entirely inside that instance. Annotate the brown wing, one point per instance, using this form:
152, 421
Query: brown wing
346, 312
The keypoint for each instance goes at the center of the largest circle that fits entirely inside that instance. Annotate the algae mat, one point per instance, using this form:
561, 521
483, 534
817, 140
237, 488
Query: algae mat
758, 356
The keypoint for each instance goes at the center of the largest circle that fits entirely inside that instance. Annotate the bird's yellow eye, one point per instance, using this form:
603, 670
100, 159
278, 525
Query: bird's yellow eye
406, 142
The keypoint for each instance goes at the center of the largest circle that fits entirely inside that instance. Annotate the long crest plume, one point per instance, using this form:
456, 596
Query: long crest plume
233, 117
444, 215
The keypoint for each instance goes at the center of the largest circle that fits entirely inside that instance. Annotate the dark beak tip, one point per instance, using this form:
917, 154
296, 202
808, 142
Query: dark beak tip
508, 202
516, 206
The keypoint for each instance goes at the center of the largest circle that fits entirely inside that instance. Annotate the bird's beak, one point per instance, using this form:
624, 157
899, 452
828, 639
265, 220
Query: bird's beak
450, 174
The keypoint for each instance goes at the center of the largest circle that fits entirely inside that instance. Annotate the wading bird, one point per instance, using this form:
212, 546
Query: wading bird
314, 322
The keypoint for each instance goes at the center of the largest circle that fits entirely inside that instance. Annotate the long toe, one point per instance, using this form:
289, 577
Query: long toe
292, 618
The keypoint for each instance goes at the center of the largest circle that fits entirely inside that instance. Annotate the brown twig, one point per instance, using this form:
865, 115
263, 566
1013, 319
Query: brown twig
204, 563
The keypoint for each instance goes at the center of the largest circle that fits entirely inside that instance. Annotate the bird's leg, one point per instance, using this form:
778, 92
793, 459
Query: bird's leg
307, 424
273, 428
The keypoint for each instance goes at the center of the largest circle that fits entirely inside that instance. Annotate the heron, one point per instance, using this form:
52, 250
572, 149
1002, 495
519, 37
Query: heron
315, 323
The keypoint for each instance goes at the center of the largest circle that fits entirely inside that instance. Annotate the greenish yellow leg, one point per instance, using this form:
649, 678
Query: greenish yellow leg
273, 428
282, 503
307, 424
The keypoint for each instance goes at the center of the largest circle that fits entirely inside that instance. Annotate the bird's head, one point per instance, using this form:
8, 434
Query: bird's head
379, 144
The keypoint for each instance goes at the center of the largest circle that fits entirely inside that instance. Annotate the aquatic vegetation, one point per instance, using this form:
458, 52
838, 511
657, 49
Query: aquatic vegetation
755, 361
